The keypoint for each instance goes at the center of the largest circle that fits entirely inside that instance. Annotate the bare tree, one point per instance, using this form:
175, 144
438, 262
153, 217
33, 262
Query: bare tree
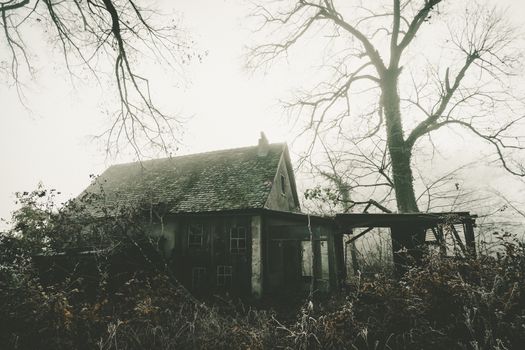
395, 73
354, 178
88, 32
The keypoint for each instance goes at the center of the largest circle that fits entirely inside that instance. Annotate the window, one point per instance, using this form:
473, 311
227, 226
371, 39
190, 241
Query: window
238, 240
283, 184
198, 278
195, 235
224, 276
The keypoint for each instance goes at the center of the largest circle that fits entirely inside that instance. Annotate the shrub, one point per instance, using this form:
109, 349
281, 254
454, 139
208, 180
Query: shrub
454, 303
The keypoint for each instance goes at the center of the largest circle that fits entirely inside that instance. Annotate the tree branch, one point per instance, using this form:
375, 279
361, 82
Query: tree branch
4, 8
331, 13
493, 139
413, 28
423, 127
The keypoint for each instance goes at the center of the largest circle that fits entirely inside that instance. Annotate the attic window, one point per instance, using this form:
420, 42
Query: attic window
195, 235
224, 276
238, 240
283, 184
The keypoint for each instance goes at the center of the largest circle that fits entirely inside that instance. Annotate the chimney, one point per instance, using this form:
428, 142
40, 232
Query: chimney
263, 147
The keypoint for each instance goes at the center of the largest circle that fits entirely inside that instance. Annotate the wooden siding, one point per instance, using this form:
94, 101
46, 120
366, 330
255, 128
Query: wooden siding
215, 252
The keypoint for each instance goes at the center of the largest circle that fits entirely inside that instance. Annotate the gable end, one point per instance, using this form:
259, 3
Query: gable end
283, 194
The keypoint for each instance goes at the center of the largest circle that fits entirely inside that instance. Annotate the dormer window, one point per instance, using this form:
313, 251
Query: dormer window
283, 184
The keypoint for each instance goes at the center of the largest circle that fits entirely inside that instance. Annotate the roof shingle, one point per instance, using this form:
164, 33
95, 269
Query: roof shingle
212, 181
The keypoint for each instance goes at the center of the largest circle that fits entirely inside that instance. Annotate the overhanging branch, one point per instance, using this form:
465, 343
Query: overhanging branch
493, 139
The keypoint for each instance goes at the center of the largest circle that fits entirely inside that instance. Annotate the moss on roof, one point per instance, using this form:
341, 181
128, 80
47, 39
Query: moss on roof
212, 181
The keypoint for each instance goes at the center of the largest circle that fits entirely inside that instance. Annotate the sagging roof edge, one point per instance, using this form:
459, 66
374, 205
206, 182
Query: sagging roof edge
257, 211
454, 217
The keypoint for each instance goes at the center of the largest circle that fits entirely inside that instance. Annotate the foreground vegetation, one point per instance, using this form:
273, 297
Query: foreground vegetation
454, 303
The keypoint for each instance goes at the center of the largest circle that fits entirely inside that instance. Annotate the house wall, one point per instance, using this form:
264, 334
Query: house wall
277, 250
277, 200
201, 268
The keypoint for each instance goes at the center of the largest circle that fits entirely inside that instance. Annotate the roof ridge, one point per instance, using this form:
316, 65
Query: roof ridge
283, 144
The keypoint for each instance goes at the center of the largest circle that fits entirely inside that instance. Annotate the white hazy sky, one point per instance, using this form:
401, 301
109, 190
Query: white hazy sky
51, 141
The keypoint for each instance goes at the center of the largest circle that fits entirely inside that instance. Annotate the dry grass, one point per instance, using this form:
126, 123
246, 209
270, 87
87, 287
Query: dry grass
448, 303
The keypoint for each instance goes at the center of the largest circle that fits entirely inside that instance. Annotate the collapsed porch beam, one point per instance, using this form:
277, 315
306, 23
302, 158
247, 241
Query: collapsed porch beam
361, 234
458, 239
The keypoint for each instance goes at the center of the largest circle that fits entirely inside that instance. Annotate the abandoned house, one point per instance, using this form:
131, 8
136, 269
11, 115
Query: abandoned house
231, 221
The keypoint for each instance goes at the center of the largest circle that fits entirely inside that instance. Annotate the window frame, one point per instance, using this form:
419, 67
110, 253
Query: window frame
191, 234
224, 272
283, 184
200, 281
236, 248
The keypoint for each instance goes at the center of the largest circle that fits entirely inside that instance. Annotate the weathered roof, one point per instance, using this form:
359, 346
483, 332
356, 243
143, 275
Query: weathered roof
213, 181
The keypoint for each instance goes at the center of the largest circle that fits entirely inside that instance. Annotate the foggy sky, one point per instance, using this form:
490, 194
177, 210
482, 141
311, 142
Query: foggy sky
50, 140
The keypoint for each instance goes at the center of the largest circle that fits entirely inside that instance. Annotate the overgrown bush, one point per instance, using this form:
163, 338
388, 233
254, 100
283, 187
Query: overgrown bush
121, 295
147, 310
448, 303
445, 304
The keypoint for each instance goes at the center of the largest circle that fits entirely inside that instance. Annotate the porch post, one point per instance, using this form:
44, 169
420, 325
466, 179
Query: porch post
257, 265
470, 239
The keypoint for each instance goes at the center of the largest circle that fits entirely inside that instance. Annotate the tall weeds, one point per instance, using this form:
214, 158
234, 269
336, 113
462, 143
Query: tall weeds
449, 303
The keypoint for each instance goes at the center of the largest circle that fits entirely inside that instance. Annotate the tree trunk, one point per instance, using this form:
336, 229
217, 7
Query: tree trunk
406, 240
400, 155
